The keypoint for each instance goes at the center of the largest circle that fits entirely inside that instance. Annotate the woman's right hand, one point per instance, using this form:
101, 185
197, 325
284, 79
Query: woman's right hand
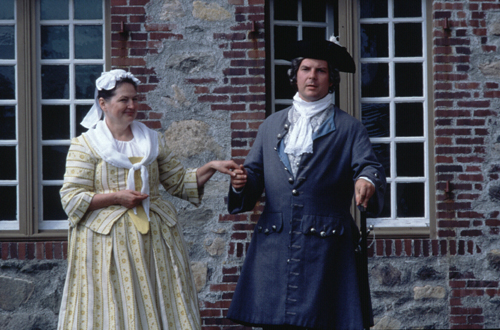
130, 198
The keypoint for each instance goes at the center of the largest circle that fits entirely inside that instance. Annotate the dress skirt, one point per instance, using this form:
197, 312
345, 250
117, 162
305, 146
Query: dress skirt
129, 280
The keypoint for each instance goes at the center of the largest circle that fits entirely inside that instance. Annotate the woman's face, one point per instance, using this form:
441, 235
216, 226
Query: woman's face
121, 109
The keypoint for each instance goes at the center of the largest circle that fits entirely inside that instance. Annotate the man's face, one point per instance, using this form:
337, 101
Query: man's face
312, 79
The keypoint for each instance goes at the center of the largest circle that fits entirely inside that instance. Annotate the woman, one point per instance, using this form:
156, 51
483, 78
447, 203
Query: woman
128, 267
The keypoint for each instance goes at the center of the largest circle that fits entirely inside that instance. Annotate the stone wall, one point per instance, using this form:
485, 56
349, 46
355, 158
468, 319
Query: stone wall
202, 67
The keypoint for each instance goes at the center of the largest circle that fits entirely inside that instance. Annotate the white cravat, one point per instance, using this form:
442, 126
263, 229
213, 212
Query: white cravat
300, 140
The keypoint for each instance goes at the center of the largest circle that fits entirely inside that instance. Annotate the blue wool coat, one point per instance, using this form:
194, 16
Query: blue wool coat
300, 266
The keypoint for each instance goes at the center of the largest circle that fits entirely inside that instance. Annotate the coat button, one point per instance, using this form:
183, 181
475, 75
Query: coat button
312, 230
288, 261
333, 231
295, 192
266, 231
274, 227
286, 169
290, 180
286, 126
260, 228
275, 149
376, 175
279, 136
322, 234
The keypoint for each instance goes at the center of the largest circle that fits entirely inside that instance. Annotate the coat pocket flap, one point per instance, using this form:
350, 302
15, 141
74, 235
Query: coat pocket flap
270, 223
322, 226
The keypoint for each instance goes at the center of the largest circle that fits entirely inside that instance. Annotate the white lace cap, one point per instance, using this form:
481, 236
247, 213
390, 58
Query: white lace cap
106, 81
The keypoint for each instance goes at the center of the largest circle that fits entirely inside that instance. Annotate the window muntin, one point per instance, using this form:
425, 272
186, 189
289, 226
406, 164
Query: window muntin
394, 102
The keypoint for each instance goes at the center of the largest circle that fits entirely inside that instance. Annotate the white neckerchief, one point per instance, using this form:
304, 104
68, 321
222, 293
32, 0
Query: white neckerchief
104, 144
300, 140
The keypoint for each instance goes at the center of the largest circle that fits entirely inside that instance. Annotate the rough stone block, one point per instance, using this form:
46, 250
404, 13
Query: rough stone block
428, 291
14, 292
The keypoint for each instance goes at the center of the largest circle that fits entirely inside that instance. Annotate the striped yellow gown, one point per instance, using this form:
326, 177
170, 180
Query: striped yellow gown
118, 277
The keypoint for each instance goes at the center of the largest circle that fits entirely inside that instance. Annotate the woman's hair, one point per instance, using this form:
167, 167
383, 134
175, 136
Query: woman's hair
108, 94
333, 75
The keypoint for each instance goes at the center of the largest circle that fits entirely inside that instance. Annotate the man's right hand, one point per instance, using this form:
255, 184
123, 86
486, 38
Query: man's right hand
239, 180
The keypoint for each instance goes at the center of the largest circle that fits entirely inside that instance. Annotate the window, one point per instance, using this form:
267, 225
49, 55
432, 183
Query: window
52, 52
394, 103
389, 93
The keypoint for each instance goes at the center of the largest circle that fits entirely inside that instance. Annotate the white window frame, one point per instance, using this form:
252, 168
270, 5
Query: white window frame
416, 226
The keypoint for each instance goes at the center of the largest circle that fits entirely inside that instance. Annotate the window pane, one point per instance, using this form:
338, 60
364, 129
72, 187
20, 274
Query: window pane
282, 90
408, 79
81, 112
375, 117
284, 36
8, 195
409, 119
279, 107
85, 77
311, 33
410, 159
7, 42
54, 161
410, 199
55, 82
408, 39
7, 83
386, 210
52, 208
88, 9
375, 79
285, 10
7, 11
55, 122
8, 164
407, 8
373, 8
88, 41
314, 11
383, 153
374, 40
54, 9
55, 42
7, 122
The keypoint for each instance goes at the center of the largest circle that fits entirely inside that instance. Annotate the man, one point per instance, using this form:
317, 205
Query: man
300, 270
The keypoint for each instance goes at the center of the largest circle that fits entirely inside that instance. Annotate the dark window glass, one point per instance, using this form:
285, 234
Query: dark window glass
55, 122
7, 42
88, 41
408, 79
54, 162
383, 153
313, 33
386, 210
8, 196
407, 8
375, 117
7, 11
409, 158
8, 163
314, 11
285, 10
409, 119
81, 112
374, 40
52, 208
54, 9
85, 77
7, 83
55, 42
55, 82
373, 8
410, 199
283, 89
375, 79
7, 122
279, 107
408, 39
88, 9
284, 36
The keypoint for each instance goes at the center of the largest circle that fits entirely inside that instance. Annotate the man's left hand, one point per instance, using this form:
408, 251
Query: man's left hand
364, 190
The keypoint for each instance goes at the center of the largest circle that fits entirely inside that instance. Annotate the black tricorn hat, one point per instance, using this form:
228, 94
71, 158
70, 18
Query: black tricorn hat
334, 54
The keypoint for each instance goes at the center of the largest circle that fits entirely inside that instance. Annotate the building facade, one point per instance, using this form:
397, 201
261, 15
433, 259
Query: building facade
426, 87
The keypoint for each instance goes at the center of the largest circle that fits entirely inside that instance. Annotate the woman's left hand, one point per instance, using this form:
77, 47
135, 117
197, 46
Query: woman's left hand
205, 172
